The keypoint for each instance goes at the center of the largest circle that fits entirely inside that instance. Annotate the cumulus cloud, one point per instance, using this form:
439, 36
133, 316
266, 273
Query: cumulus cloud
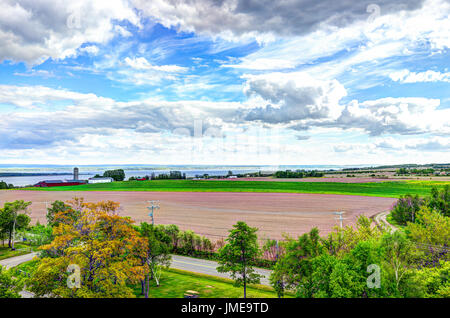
293, 96
33, 31
286, 18
404, 116
359, 47
90, 114
301, 102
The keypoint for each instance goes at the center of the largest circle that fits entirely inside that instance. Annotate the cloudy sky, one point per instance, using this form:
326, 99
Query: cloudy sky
225, 81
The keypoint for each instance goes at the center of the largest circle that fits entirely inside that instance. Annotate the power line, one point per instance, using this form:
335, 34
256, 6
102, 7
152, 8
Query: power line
339, 217
154, 205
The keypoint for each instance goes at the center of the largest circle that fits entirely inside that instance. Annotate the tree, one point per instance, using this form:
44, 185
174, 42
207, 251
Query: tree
158, 253
104, 246
406, 208
440, 200
294, 269
9, 286
398, 254
238, 254
117, 175
343, 240
431, 282
11, 220
57, 206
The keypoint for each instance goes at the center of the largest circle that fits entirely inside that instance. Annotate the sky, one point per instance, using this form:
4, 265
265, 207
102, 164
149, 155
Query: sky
245, 82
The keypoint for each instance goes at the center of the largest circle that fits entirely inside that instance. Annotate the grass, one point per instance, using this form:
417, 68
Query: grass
175, 283
5, 251
378, 189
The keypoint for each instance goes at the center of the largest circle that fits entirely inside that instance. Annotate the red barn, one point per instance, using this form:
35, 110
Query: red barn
59, 183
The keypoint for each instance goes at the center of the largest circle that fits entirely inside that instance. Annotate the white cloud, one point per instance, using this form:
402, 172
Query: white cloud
33, 31
141, 63
293, 96
91, 49
406, 76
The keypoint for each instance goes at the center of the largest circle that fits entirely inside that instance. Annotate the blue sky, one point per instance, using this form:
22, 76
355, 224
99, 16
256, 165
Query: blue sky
228, 82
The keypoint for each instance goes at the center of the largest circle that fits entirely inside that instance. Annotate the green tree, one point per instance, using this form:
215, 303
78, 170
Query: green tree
158, 253
294, 269
117, 175
439, 200
238, 254
399, 254
406, 208
432, 282
57, 206
11, 221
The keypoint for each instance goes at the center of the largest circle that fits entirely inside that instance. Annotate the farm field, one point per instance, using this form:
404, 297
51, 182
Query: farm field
212, 214
378, 189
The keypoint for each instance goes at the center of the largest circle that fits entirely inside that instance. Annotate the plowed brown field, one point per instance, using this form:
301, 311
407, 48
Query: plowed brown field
213, 213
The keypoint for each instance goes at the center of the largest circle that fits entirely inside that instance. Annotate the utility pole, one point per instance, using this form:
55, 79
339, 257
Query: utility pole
153, 205
339, 217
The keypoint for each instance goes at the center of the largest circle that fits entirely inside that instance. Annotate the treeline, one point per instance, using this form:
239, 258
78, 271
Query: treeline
406, 171
298, 174
172, 175
4, 185
407, 206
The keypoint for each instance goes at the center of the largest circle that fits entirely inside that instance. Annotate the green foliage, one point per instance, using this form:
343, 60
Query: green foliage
439, 200
117, 175
294, 269
407, 206
158, 253
12, 221
238, 253
9, 286
405, 209
57, 206
432, 282
39, 234
343, 240
4, 185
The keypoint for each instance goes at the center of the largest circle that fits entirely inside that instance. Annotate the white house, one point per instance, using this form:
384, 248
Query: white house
232, 177
100, 180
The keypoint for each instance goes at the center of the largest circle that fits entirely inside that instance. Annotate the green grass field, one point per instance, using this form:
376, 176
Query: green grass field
379, 189
175, 283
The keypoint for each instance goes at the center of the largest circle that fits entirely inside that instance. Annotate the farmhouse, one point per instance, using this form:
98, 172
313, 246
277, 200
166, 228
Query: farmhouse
100, 180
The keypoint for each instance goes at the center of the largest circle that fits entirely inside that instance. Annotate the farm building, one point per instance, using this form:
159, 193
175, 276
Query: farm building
100, 180
58, 183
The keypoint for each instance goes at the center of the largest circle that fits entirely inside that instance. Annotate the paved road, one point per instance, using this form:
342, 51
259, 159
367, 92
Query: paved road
15, 261
208, 267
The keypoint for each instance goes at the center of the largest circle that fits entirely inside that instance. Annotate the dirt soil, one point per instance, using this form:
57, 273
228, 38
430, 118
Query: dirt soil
213, 213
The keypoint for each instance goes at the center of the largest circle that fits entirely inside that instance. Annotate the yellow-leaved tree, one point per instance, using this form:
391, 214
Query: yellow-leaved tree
94, 253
